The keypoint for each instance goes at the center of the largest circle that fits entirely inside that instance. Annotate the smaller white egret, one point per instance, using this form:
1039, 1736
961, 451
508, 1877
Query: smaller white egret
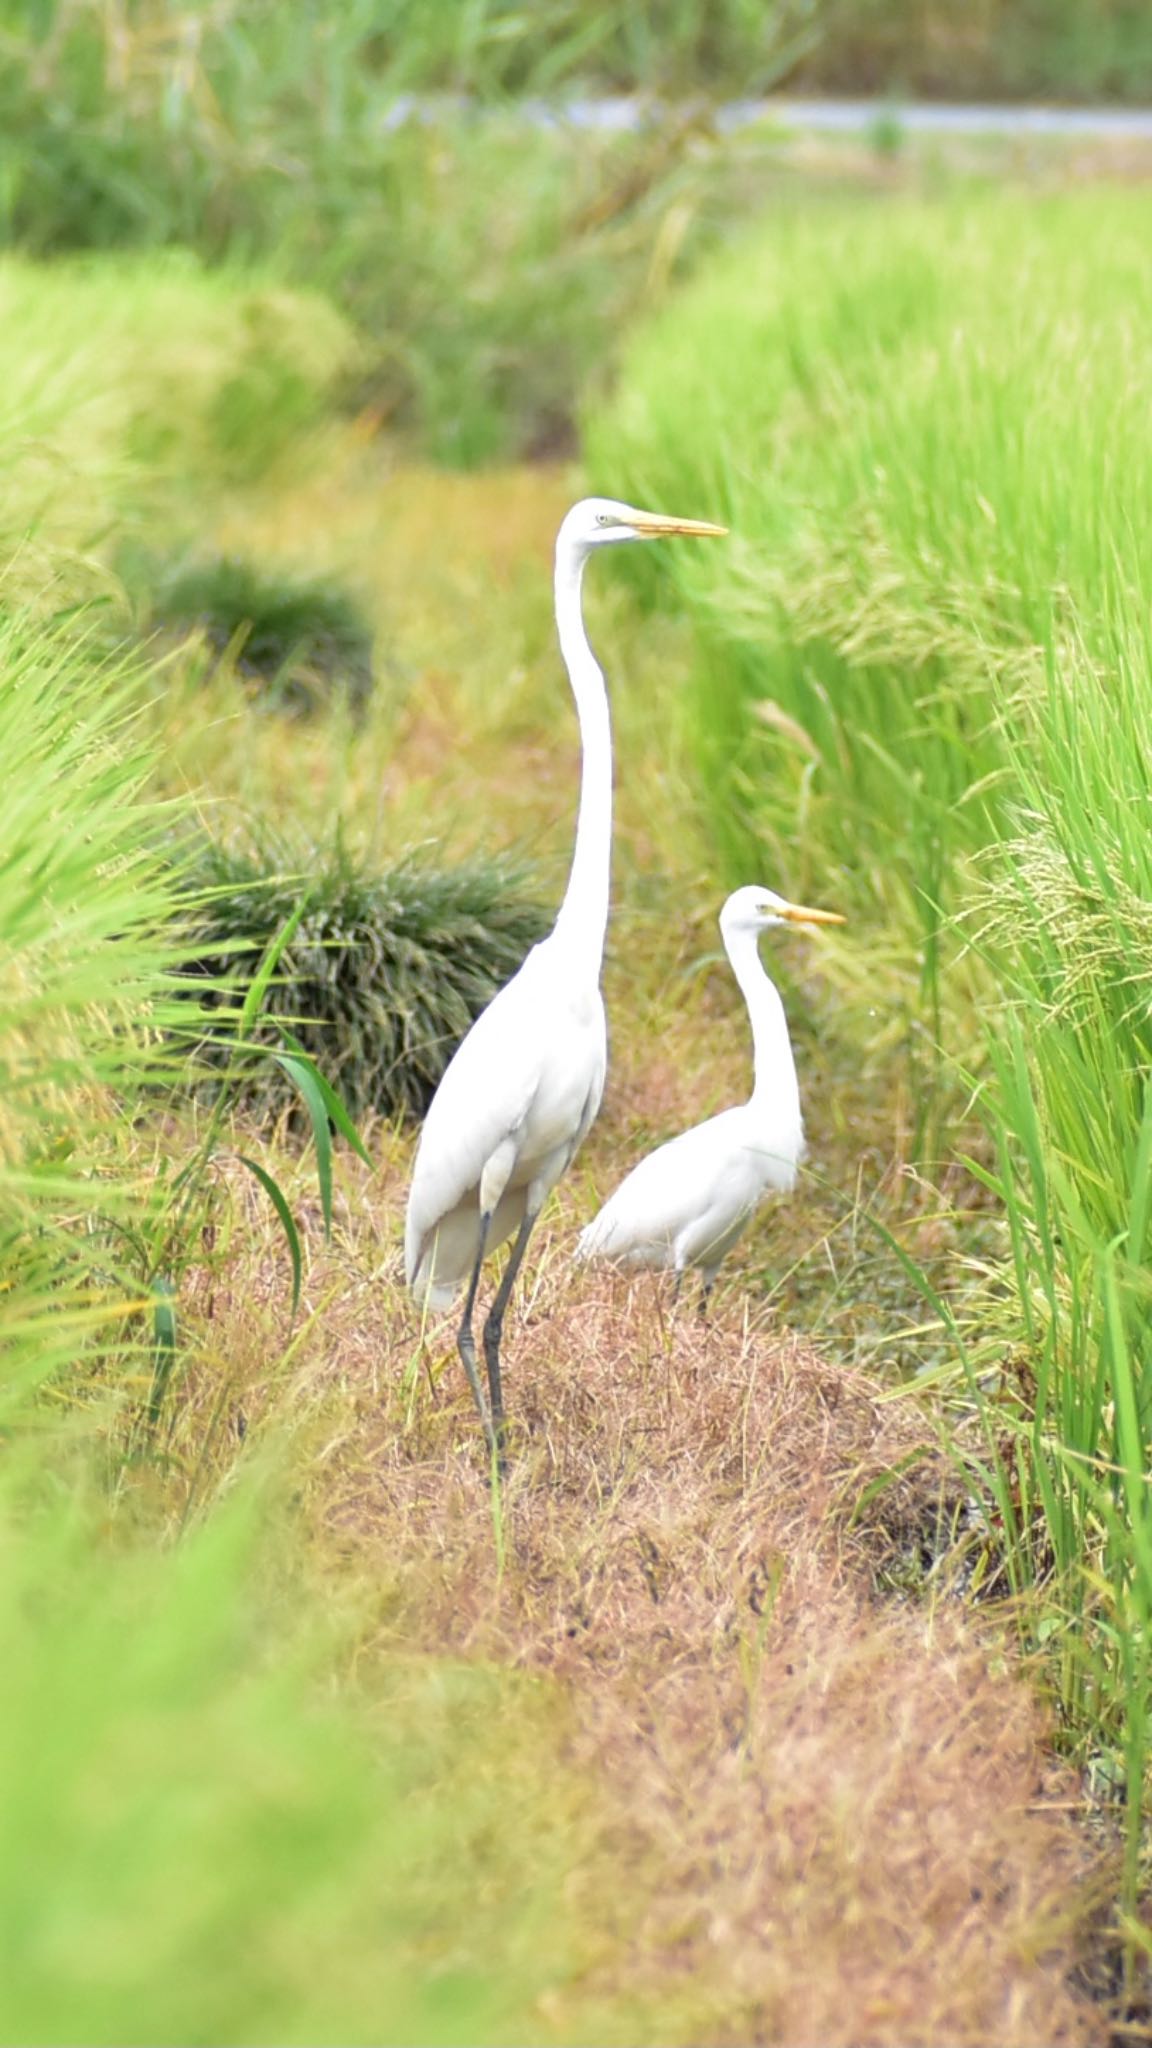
687, 1203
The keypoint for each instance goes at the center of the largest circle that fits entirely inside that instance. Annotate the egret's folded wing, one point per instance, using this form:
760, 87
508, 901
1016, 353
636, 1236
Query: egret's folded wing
485, 1095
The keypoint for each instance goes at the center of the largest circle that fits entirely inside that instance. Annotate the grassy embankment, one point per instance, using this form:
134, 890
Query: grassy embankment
551, 1723
925, 694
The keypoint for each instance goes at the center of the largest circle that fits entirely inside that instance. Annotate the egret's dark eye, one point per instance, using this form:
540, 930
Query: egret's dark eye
605, 519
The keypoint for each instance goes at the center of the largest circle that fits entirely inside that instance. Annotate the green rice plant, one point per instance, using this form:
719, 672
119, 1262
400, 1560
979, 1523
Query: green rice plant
209, 1838
88, 987
1066, 915
298, 639
926, 427
383, 972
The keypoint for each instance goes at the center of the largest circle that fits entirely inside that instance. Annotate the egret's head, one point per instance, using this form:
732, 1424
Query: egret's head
757, 910
597, 522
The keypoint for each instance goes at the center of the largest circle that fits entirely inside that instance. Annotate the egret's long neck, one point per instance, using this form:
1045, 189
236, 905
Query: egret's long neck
775, 1068
583, 918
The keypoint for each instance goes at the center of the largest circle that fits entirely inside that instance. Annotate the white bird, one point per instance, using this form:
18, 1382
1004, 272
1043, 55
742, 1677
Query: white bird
688, 1202
523, 1087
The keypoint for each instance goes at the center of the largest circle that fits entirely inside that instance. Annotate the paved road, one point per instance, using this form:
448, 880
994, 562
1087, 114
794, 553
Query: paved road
843, 117
836, 117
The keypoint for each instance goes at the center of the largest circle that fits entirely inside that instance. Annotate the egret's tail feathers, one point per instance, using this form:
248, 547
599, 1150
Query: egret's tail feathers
591, 1242
434, 1295
436, 1281
440, 1258
431, 1282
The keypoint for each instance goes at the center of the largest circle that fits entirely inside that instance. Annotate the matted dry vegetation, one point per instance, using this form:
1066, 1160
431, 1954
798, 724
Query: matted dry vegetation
821, 1815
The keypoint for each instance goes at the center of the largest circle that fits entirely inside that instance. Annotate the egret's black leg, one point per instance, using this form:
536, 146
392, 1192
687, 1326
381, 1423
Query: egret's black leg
494, 1328
707, 1283
679, 1284
466, 1342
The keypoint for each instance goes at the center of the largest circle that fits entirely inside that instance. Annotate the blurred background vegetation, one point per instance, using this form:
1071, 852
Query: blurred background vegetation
485, 264
306, 325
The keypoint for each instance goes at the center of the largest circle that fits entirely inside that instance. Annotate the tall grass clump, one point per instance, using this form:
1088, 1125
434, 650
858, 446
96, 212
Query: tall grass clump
90, 98
71, 59
298, 641
926, 682
384, 970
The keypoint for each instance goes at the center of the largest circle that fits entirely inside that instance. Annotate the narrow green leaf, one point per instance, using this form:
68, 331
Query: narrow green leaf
302, 1074
261, 980
1141, 1184
163, 1341
279, 1201
336, 1108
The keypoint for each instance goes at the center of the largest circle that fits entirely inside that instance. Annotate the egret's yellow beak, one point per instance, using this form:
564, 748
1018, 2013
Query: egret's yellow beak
795, 913
654, 525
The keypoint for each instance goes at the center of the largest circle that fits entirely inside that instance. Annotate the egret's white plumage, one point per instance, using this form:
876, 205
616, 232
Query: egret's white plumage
524, 1086
687, 1203
517, 1099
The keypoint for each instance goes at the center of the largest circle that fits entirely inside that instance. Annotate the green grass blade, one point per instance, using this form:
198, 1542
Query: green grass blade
336, 1108
304, 1078
164, 1335
279, 1201
262, 979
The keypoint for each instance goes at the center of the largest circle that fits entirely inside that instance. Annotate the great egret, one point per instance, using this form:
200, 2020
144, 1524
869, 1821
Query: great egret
524, 1086
687, 1203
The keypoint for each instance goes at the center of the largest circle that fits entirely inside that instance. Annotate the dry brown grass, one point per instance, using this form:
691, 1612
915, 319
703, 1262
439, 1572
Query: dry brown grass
822, 1818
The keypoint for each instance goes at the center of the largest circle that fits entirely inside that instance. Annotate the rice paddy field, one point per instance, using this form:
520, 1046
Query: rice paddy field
795, 1687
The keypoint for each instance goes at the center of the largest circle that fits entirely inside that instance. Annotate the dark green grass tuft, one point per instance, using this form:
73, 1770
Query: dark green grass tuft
299, 638
386, 970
